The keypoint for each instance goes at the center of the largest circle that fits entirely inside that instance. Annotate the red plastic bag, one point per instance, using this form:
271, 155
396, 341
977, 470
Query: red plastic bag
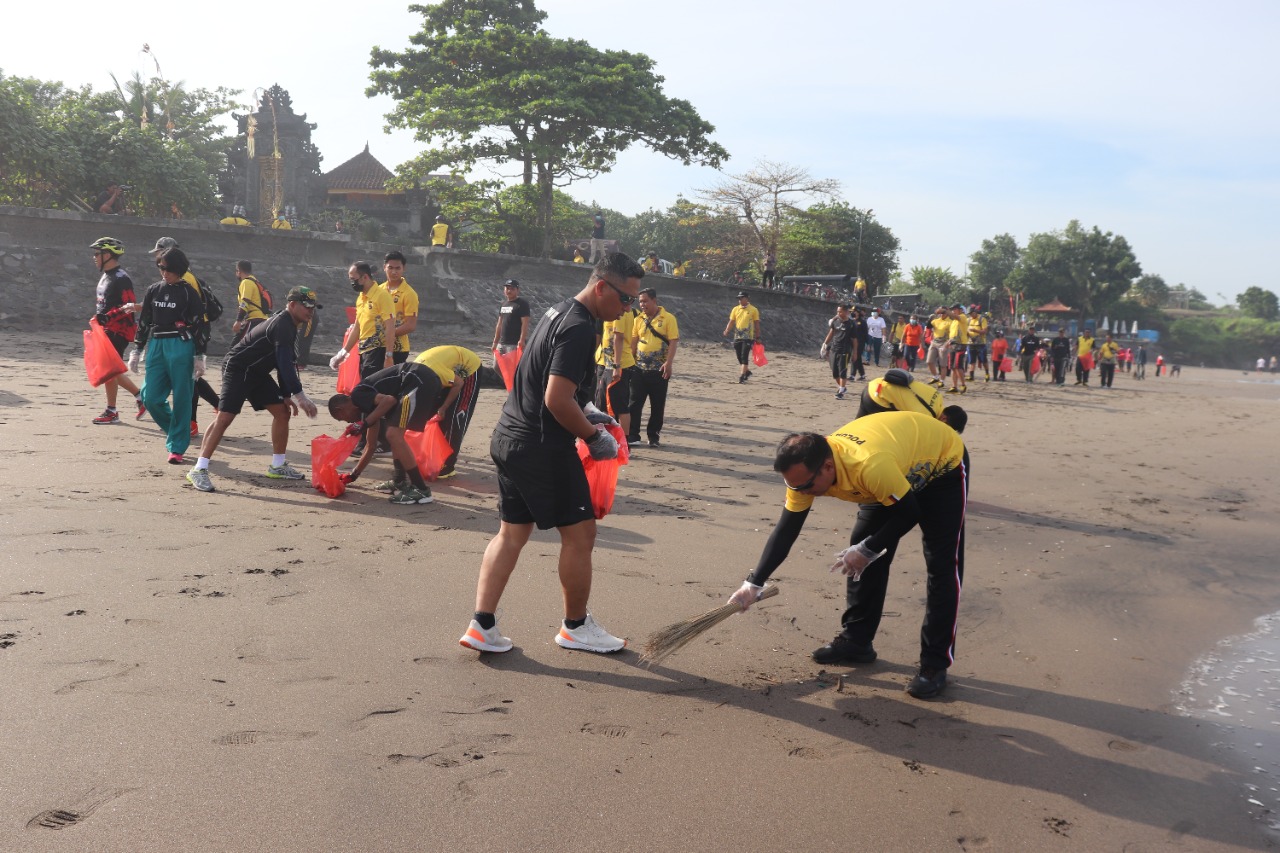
1036, 363
101, 361
326, 455
506, 364
1006, 365
757, 354
920, 353
1086, 361
430, 448
349, 373
602, 474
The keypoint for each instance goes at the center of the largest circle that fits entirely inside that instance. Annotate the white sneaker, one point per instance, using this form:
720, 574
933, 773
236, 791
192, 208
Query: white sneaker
285, 472
484, 641
199, 477
589, 638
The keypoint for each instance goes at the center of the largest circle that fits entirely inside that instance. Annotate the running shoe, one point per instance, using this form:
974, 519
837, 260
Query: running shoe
412, 495
195, 429
962, 389
107, 417
445, 475
142, 408
176, 459
840, 394
388, 486
199, 477
589, 637
748, 374
484, 641
285, 472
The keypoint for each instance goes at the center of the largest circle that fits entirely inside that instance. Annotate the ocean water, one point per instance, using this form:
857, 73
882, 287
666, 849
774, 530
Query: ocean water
1236, 688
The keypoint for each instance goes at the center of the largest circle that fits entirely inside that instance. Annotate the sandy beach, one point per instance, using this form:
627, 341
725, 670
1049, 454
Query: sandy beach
265, 669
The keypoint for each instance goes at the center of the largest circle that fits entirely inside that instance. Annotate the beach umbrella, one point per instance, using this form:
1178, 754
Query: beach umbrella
1135, 328
1106, 327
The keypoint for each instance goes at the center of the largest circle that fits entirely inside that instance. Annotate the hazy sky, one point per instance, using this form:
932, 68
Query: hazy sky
954, 122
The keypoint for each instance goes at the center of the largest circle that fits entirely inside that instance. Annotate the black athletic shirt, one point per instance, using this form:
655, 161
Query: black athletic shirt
266, 347
115, 288
841, 334
1060, 347
563, 344
169, 311
512, 312
396, 381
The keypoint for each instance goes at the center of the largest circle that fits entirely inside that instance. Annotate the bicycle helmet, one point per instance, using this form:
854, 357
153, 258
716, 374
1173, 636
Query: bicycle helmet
108, 244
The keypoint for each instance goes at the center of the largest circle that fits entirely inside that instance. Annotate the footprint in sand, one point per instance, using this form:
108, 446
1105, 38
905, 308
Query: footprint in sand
252, 736
81, 683
77, 811
605, 730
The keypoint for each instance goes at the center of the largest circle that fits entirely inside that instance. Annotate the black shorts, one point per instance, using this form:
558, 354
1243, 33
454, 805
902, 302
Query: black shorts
612, 397
117, 341
957, 358
744, 350
540, 485
416, 407
840, 365
259, 389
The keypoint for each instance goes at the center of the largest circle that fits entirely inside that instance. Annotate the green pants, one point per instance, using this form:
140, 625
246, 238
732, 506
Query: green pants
170, 363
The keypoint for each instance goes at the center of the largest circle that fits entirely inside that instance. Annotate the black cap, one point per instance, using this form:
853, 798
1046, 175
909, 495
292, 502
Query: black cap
511, 282
742, 293
305, 295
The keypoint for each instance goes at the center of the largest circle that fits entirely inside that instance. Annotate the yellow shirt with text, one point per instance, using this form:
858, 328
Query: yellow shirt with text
371, 308
879, 458
651, 351
744, 322
450, 363
405, 300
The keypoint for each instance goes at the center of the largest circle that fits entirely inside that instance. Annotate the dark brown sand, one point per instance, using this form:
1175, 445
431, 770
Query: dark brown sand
265, 669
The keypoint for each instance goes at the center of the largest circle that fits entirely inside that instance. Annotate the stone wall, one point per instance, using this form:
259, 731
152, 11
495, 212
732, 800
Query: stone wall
47, 280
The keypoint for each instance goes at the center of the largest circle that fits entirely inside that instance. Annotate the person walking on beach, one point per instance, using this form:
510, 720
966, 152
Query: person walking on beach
744, 322
201, 389
875, 334
541, 481
616, 368
113, 308
902, 469
1084, 356
837, 347
1028, 351
1141, 371
171, 314
513, 320
1107, 353
937, 357
1059, 353
912, 338
657, 335
959, 351
246, 377
978, 328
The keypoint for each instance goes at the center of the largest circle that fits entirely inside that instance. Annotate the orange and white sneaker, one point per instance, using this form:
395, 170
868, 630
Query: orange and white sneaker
195, 429
589, 637
108, 416
482, 640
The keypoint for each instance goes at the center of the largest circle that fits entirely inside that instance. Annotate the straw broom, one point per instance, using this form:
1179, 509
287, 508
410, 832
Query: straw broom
672, 638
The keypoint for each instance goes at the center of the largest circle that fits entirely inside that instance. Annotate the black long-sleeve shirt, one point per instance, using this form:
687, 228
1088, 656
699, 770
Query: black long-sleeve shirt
268, 346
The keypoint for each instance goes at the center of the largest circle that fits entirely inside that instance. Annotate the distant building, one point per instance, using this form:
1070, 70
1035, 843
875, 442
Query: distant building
360, 184
274, 164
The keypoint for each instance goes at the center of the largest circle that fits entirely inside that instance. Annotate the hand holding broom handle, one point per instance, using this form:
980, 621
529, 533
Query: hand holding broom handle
674, 637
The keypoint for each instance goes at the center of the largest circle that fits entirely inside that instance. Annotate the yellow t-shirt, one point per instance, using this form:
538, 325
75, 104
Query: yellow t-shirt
371, 307
918, 397
1107, 352
879, 458
978, 329
651, 351
281, 224
744, 320
649, 265
960, 331
1084, 345
604, 352
405, 300
450, 363
941, 329
899, 328
681, 269
250, 299
439, 234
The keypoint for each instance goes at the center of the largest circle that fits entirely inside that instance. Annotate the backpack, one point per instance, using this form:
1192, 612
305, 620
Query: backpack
212, 307
265, 305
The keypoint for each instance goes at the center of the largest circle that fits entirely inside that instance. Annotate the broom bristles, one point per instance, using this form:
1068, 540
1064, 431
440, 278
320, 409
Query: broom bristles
661, 644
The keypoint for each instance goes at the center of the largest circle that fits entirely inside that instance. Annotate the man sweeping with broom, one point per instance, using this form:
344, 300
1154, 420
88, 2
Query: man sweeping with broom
902, 469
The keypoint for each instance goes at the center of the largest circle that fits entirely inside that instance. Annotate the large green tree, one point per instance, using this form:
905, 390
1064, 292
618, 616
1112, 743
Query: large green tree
991, 266
823, 240
1149, 291
1256, 302
485, 83
1086, 268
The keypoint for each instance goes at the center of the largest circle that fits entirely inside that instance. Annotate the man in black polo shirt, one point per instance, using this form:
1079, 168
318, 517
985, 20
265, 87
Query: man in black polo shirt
246, 377
540, 478
513, 320
402, 398
1059, 354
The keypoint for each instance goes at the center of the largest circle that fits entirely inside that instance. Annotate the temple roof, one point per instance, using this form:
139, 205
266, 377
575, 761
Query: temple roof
361, 172
1054, 307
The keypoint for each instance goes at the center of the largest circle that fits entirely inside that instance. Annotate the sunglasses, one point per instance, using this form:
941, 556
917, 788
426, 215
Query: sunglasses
162, 268
807, 485
622, 297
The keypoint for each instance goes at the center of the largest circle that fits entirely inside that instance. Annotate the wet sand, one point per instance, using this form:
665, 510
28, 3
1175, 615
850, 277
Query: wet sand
262, 668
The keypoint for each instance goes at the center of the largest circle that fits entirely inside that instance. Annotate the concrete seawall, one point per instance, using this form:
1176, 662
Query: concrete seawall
47, 279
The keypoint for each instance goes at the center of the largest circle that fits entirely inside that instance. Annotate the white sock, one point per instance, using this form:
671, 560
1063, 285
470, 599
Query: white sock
202, 464
277, 460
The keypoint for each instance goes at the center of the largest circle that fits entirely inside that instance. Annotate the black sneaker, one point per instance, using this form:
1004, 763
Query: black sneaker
633, 440
928, 683
653, 442
842, 650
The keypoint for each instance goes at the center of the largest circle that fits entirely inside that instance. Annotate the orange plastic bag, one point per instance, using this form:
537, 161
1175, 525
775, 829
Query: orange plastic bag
757, 354
349, 373
1086, 361
602, 474
326, 455
1006, 365
430, 448
506, 364
101, 362
920, 353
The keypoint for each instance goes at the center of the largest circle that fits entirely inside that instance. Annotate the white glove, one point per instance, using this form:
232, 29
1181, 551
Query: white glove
595, 416
200, 366
338, 358
852, 561
133, 360
304, 403
747, 595
823, 352
603, 446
